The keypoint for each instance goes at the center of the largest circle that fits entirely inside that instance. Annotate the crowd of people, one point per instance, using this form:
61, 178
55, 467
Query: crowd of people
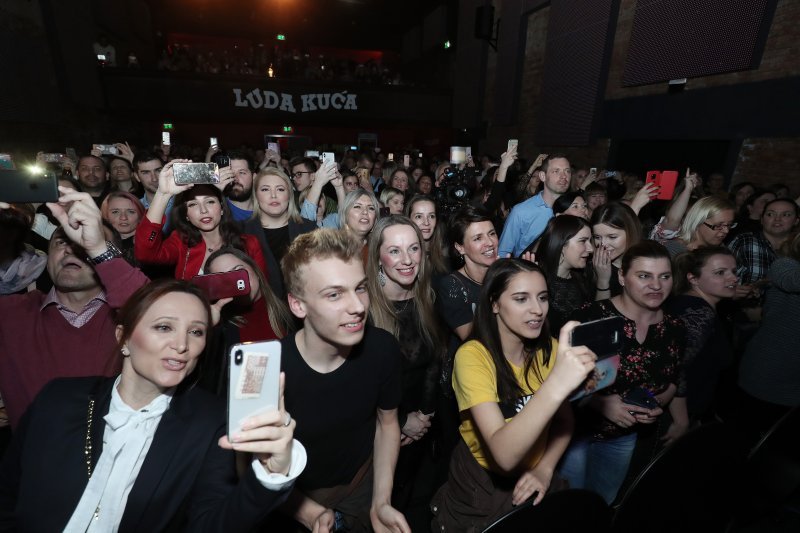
427, 361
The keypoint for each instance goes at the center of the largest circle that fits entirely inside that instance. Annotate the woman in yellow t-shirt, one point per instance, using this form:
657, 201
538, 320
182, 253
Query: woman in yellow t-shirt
511, 382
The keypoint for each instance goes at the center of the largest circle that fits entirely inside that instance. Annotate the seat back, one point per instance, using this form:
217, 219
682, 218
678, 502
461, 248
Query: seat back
565, 511
772, 473
689, 486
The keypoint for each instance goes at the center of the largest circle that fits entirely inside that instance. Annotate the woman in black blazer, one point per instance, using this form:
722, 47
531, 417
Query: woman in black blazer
75, 462
276, 221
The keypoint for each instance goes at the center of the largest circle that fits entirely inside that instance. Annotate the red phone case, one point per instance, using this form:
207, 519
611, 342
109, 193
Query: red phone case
669, 178
666, 182
224, 284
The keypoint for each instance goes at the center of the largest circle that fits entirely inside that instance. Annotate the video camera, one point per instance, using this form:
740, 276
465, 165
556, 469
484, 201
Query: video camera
454, 190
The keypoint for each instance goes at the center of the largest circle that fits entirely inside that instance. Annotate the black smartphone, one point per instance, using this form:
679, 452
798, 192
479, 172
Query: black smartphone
223, 161
22, 186
641, 398
603, 337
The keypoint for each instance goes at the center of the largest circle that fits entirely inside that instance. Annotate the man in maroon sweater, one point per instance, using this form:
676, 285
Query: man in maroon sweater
69, 331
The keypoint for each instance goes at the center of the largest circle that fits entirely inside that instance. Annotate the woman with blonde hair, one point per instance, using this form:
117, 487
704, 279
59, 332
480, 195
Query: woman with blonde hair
276, 220
706, 223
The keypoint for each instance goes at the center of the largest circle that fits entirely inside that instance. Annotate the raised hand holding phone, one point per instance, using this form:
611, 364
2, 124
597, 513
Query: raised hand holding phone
82, 221
573, 363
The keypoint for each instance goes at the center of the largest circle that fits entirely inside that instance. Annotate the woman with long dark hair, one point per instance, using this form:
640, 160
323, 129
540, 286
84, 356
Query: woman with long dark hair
564, 250
202, 225
423, 212
512, 381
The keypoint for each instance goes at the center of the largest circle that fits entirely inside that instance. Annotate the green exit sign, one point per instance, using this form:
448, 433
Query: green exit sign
281, 37
168, 125
288, 129
446, 45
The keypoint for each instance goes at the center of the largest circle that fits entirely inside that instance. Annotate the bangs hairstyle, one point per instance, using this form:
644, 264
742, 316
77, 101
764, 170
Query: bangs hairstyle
485, 330
323, 243
644, 250
692, 263
228, 228
702, 210
563, 202
280, 320
350, 200
556, 235
137, 204
619, 216
381, 309
294, 212
388, 193
129, 316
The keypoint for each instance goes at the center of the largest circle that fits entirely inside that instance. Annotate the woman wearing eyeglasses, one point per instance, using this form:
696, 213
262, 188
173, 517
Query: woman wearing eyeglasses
706, 223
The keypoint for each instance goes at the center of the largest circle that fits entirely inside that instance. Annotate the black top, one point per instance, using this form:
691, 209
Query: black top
708, 352
566, 296
420, 364
456, 299
336, 412
186, 483
278, 240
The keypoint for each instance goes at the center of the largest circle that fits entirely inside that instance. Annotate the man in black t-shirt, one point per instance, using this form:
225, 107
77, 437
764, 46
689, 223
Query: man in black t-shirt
343, 387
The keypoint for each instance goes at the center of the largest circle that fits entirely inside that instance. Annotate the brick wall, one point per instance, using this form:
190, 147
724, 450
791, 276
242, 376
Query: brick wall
770, 161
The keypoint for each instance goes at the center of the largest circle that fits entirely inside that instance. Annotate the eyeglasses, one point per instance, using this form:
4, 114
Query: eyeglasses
297, 174
718, 227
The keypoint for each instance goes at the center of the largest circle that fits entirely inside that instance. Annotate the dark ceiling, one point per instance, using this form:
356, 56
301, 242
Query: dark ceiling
360, 24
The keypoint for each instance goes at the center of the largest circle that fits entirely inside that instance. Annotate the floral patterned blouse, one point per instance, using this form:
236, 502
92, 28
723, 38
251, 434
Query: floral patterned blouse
653, 364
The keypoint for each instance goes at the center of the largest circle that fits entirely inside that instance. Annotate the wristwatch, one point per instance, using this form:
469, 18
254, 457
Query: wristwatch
108, 255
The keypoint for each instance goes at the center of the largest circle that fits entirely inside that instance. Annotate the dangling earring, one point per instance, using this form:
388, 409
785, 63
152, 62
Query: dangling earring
381, 276
125, 351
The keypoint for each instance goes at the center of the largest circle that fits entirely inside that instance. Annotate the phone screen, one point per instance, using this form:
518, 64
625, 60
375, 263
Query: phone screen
406, 161
512, 142
165, 137
390, 157
458, 155
212, 141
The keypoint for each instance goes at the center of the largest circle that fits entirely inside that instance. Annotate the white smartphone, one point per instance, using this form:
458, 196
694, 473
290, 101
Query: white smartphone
512, 142
390, 157
458, 155
212, 141
254, 372
274, 147
165, 138
406, 160
328, 157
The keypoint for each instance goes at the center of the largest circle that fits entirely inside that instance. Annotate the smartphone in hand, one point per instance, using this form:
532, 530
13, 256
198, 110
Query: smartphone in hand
512, 143
224, 284
195, 173
254, 371
23, 186
328, 157
165, 138
604, 337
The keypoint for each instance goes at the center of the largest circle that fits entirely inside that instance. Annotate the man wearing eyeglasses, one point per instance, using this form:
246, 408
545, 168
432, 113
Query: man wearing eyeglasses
303, 169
